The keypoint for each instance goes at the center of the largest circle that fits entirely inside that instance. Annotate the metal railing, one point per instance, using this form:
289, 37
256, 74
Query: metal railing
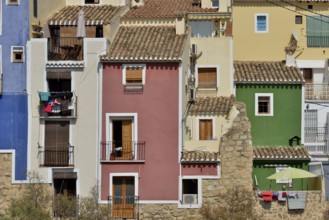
118, 150
124, 207
65, 48
318, 41
316, 139
59, 104
319, 91
53, 156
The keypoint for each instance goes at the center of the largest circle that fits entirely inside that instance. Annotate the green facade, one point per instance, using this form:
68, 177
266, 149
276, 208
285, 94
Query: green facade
285, 123
264, 169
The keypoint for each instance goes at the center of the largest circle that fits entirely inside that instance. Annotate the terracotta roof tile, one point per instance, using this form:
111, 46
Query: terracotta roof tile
199, 157
211, 105
146, 43
164, 9
94, 14
281, 153
264, 72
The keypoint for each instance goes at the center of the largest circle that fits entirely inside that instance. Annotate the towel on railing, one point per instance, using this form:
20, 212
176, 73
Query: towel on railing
298, 201
44, 96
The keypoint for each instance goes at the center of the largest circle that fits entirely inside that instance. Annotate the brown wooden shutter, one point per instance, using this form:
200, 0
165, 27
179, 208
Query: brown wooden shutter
134, 75
57, 134
127, 139
207, 77
205, 129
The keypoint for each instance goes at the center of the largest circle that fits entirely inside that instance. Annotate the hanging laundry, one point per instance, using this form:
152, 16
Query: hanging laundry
44, 96
56, 108
47, 108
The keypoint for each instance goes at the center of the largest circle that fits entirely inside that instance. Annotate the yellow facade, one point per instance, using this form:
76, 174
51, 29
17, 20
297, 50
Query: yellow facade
270, 46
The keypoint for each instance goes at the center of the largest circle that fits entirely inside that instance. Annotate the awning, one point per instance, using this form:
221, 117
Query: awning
208, 16
65, 175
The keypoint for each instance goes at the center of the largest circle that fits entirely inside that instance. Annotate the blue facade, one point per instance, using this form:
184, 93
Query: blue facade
13, 101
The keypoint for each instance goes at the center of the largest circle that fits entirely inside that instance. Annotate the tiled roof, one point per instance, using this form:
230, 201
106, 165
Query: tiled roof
211, 105
199, 157
266, 72
281, 153
94, 14
146, 43
164, 9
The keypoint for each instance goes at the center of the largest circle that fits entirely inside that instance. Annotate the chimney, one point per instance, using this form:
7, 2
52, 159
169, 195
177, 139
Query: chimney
136, 3
180, 24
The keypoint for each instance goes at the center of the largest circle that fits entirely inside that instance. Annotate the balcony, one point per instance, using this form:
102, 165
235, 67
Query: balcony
317, 41
316, 91
65, 48
316, 140
114, 151
123, 207
53, 156
58, 105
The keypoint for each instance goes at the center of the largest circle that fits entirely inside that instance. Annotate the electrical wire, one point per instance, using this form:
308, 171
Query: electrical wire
304, 9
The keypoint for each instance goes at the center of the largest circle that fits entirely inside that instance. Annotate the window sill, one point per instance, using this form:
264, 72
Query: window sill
207, 89
134, 88
264, 115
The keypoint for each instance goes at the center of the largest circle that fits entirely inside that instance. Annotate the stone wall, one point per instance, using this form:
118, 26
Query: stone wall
7, 189
314, 210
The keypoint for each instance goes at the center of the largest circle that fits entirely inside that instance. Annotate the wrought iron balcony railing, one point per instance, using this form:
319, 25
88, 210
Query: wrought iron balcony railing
65, 48
54, 156
58, 104
124, 207
318, 91
122, 150
316, 140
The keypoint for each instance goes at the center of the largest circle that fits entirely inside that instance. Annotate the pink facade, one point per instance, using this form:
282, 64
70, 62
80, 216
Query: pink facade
200, 169
157, 108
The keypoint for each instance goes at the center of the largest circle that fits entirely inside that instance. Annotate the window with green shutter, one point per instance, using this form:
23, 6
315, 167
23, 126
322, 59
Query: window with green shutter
317, 31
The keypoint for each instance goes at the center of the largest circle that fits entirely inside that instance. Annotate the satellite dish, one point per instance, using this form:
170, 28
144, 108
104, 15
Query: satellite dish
294, 34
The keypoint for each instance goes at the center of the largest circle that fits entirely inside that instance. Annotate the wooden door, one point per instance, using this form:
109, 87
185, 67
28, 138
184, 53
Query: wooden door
127, 151
123, 201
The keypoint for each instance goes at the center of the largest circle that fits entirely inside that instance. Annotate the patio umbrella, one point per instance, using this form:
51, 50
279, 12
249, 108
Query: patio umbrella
81, 29
292, 173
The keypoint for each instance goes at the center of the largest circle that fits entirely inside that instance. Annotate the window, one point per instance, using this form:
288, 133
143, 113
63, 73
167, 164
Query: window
207, 77
279, 169
215, 3
12, 2
191, 194
261, 23
35, 8
264, 104
17, 54
298, 19
201, 28
317, 31
133, 76
205, 129
57, 138
91, 1
310, 7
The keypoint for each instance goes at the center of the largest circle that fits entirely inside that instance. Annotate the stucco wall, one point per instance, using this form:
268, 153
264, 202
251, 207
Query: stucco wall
249, 45
157, 109
269, 130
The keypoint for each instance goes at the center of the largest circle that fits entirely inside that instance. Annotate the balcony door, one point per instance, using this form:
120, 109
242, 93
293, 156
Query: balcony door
123, 203
122, 139
56, 152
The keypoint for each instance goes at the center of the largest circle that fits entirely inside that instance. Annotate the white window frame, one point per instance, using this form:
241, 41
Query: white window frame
271, 104
281, 168
124, 66
17, 49
197, 75
214, 138
199, 204
8, 2
267, 28
135, 175
121, 116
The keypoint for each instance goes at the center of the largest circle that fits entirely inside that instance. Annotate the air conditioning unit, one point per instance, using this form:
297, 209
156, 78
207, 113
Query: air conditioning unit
192, 94
194, 49
190, 198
